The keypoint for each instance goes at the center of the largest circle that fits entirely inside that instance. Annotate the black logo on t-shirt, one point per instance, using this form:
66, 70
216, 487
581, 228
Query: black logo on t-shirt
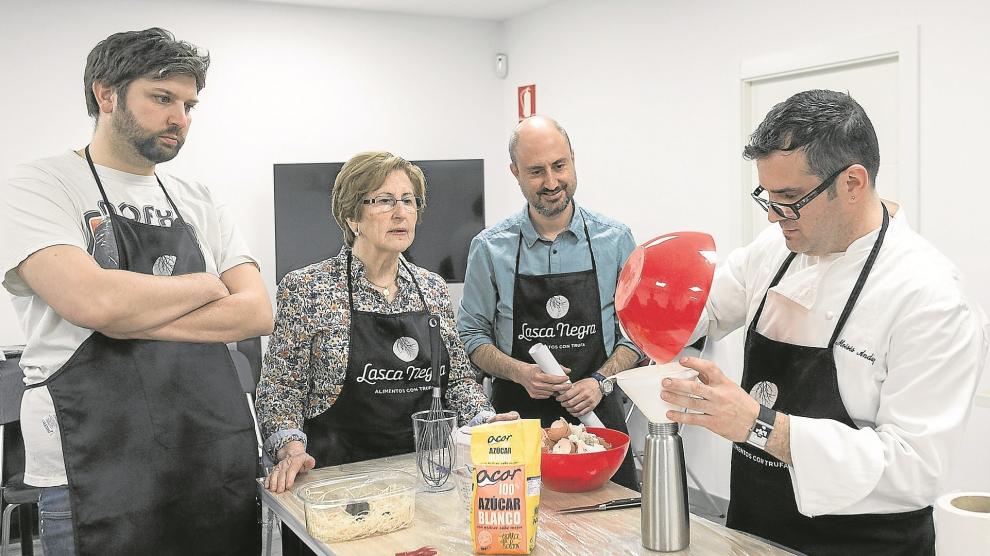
101, 243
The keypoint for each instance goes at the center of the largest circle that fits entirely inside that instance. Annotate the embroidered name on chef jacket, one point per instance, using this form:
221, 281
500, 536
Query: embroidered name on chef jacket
869, 356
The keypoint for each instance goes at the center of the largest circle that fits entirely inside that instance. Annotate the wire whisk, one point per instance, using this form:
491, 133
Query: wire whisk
434, 443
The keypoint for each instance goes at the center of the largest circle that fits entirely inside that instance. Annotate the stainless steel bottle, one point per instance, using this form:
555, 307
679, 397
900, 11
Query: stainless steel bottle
665, 506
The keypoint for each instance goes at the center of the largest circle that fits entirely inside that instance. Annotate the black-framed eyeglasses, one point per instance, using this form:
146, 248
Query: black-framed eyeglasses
386, 203
790, 210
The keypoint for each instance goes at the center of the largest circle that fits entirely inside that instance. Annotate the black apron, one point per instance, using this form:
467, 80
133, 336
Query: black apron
562, 311
158, 440
390, 376
761, 495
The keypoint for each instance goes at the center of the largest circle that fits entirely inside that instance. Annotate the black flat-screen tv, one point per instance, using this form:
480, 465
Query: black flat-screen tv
305, 231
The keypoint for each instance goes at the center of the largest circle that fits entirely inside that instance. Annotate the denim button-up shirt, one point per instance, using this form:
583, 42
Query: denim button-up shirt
485, 315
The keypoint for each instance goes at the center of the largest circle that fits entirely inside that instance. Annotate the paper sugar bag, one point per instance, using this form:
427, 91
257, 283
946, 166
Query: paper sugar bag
506, 494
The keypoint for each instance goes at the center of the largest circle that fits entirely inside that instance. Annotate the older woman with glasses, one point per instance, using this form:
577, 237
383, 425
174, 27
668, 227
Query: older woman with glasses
350, 359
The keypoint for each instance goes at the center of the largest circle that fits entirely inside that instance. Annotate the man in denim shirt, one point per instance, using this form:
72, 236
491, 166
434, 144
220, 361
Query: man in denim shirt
547, 275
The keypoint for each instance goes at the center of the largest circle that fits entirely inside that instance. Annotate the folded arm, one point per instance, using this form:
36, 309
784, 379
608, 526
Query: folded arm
87, 295
245, 313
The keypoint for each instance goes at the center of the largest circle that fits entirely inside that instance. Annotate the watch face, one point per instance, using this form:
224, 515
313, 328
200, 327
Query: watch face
607, 386
759, 434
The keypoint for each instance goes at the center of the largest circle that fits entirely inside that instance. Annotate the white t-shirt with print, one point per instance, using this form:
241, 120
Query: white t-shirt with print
55, 201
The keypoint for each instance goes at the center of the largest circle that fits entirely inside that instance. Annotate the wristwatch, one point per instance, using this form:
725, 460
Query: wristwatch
604, 384
762, 428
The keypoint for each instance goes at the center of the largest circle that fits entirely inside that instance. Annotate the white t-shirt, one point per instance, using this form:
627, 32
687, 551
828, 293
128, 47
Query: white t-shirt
907, 361
55, 201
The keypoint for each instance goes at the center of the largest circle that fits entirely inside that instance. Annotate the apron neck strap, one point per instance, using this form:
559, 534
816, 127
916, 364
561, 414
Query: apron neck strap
415, 283
774, 282
584, 224
103, 193
92, 168
350, 286
857, 288
861, 281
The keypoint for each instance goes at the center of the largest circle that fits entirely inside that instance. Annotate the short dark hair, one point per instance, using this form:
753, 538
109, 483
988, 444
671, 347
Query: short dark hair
832, 128
153, 53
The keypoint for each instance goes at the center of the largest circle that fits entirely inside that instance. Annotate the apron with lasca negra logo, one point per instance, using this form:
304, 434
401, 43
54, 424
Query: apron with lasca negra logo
564, 312
390, 376
802, 380
158, 440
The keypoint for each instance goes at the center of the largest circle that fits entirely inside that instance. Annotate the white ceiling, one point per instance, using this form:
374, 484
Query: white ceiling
495, 10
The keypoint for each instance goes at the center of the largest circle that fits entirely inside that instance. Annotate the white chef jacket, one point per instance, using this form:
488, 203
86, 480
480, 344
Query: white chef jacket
908, 361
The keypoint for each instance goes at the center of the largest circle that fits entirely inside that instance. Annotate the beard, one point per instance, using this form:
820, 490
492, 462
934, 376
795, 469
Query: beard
550, 211
144, 142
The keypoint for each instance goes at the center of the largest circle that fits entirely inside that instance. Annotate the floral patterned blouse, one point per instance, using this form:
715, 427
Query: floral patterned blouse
307, 353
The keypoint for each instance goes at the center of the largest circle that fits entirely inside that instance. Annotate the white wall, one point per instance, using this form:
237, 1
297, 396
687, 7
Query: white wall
286, 84
649, 92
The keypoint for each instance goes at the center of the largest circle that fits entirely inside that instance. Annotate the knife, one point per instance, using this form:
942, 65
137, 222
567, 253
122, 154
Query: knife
610, 505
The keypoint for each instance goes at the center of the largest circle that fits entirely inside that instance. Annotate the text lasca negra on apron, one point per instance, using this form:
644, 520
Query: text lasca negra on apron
158, 440
761, 495
566, 309
390, 376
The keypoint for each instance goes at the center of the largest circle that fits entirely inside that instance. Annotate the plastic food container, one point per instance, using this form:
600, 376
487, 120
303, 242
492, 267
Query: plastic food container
465, 487
357, 506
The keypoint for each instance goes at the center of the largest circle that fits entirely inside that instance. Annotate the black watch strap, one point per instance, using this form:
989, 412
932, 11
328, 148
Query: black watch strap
604, 385
762, 428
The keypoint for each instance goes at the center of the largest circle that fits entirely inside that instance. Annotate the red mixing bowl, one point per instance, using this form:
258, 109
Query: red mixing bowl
662, 291
584, 472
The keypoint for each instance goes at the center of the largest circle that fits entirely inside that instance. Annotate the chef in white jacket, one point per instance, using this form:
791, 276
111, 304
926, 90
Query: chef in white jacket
862, 354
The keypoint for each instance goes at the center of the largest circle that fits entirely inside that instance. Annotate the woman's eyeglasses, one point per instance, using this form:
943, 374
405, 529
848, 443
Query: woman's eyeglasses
387, 203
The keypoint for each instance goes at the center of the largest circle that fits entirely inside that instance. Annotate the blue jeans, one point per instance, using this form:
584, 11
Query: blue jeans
56, 521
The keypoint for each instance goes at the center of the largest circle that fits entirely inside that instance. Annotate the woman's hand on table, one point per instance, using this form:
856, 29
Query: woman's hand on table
293, 460
510, 416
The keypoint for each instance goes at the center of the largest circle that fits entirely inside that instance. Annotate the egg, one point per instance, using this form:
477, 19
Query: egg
559, 429
547, 443
563, 446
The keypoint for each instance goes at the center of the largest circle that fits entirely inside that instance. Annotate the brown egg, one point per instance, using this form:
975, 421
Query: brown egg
559, 429
547, 444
